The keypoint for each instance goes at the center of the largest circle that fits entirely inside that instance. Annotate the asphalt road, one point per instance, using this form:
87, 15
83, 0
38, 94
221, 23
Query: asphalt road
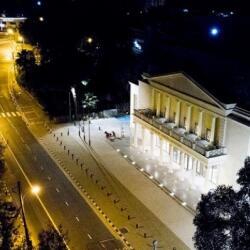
28, 162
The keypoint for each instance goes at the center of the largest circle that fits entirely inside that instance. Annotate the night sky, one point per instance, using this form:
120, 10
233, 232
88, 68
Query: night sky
176, 37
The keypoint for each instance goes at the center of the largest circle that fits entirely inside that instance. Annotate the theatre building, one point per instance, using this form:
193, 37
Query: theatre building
187, 130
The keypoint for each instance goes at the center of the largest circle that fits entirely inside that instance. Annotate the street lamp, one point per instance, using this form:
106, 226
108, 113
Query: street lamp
73, 91
35, 190
90, 40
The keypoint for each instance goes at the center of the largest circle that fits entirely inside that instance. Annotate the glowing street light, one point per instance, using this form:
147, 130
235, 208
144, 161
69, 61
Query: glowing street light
84, 82
90, 40
41, 19
35, 189
39, 3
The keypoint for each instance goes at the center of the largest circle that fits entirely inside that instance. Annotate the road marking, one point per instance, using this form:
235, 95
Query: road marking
22, 139
49, 178
77, 219
90, 236
40, 201
3, 115
8, 114
18, 113
67, 204
57, 190
13, 113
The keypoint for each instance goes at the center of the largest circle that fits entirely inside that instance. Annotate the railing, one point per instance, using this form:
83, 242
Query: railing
149, 117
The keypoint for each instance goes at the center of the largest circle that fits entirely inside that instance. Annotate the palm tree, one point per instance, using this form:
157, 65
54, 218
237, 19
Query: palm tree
88, 104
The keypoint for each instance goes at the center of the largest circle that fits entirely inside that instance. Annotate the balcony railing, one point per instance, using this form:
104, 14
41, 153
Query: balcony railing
166, 127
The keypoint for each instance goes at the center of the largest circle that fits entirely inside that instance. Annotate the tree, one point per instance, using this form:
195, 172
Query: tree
2, 162
241, 236
89, 102
51, 239
215, 215
8, 230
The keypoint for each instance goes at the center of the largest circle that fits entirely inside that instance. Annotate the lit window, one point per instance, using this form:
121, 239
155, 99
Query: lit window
175, 155
208, 134
213, 174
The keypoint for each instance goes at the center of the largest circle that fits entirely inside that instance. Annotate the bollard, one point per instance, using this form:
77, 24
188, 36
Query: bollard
72, 155
137, 226
91, 176
61, 133
96, 181
56, 138
129, 217
68, 132
64, 147
61, 143
122, 209
108, 194
145, 235
54, 135
68, 151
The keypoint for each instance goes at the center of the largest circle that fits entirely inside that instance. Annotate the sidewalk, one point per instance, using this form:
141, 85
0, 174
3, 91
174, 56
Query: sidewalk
134, 207
173, 215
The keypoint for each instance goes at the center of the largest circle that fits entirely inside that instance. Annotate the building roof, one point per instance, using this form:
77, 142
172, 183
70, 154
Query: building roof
183, 83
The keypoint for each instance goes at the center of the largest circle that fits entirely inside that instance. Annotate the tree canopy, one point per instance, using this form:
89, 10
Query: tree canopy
223, 216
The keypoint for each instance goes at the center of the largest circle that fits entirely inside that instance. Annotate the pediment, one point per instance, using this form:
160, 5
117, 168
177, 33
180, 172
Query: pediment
181, 83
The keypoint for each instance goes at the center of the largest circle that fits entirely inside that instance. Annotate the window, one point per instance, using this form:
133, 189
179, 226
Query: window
184, 122
188, 162
174, 116
208, 134
175, 155
200, 169
213, 174
196, 128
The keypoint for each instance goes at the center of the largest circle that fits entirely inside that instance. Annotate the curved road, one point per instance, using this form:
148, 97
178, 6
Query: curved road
60, 201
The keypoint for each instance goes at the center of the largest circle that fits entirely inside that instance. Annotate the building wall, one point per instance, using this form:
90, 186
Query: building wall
237, 142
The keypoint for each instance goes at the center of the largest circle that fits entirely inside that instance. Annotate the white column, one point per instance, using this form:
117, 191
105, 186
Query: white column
200, 123
171, 152
212, 129
161, 149
158, 108
188, 118
143, 138
135, 134
167, 100
151, 143
177, 117
153, 99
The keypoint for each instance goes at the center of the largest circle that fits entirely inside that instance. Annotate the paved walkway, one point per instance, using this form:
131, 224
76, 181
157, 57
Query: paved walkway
175, 181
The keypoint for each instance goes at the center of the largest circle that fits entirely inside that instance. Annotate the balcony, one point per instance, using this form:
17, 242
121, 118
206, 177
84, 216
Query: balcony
194, 142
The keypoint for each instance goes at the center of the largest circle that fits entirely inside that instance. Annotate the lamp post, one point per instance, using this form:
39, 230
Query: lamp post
89, 132
35, 190
69, 108
73, 91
